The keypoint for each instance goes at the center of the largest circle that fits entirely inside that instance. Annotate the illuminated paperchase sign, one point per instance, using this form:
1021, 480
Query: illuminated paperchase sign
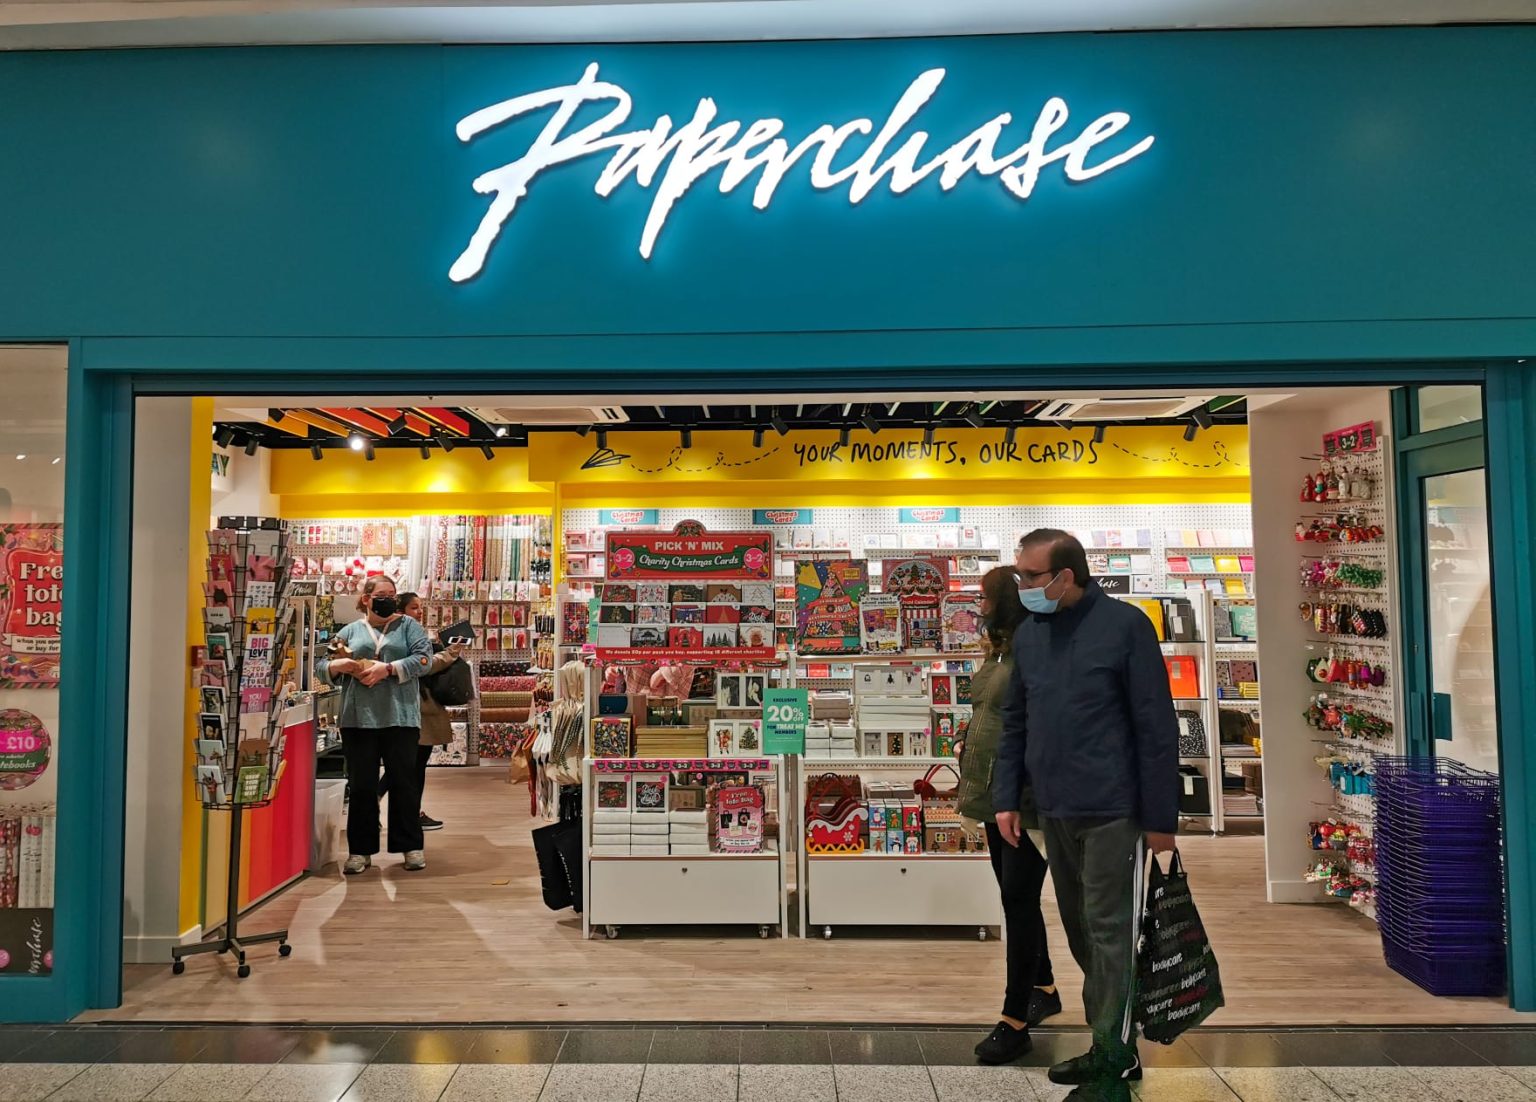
671, 159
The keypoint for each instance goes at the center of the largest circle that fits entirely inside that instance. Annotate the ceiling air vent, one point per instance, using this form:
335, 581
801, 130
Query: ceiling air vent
1118, 409
551, 415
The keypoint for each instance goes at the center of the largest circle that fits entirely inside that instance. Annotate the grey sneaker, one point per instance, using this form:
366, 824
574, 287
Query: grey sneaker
415, 860
356, 863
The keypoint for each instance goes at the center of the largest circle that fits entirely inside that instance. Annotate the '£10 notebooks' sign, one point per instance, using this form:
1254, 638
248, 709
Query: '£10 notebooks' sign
672, 159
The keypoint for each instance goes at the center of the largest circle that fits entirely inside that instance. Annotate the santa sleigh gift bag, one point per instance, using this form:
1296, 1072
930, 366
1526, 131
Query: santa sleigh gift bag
836, 814
1177, 983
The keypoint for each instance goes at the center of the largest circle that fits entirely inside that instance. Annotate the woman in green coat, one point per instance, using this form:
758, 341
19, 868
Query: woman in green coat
1031, 994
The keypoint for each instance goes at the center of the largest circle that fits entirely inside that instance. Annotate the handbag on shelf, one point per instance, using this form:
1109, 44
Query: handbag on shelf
929, 792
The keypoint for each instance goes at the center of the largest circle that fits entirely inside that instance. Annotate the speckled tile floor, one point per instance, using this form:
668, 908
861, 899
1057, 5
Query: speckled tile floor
97, 1063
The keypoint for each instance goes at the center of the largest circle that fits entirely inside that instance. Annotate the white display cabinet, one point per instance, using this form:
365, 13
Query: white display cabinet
888, 889
700, 889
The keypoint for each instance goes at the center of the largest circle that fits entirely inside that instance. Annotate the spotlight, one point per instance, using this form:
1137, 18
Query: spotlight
23, 455
869, 422
368, 450
276, 415
315, 452
778, 424
56, 461
251, 445
686, 436
583, 430
842, 435
224, 435
448, 442
485, 450
1190, 430
397, 426
426, 452
1203, 417
1098, 433
501, 430
355, 441
973, 419
928, 436
1009, 433
757, 438
602, 438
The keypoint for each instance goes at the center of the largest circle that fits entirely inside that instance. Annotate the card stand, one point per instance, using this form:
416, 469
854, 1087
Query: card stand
225, 778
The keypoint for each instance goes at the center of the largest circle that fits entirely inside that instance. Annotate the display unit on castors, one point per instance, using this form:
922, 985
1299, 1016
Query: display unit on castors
884, 845
682, 841
239, 743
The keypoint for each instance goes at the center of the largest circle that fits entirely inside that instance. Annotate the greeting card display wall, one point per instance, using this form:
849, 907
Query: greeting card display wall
1351, 661
883, 844
239, 742
684, 841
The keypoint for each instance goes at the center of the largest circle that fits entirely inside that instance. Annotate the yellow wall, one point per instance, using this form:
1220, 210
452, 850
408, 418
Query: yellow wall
200, 494
1133, 465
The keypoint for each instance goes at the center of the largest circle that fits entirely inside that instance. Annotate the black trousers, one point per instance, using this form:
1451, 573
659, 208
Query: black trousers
394, 749
1020, 872
423, 755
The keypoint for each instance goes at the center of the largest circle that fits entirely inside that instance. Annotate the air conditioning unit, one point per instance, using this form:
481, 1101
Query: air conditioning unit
550, 415
1119, 409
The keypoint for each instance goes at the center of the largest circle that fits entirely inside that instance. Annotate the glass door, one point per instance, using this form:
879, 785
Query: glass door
1454, 700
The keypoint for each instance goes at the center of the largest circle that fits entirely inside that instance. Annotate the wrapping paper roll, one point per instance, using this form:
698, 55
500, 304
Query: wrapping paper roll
504, 715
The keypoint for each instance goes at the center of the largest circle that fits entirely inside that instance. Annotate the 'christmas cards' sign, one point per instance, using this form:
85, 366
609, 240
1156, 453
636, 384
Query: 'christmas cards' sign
689, 552
31, 601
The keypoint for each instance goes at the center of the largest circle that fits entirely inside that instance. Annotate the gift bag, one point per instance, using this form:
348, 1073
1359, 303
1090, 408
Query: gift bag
1178, 985
557, 848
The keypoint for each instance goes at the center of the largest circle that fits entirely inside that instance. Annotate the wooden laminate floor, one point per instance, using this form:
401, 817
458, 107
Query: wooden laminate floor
469, 939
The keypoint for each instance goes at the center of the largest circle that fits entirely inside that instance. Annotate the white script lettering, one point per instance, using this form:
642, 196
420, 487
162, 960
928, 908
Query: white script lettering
672, 159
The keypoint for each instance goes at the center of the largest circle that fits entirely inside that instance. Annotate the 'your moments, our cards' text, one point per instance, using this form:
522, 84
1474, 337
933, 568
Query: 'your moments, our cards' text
672, 159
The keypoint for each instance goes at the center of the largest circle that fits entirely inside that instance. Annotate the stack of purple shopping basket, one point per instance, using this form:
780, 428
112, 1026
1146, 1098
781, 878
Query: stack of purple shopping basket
1440, 871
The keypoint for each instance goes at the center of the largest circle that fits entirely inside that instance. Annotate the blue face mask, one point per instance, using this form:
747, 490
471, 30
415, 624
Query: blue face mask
1035, 600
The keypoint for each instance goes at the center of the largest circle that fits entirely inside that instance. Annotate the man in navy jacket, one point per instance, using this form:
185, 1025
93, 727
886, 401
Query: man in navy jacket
1090, 729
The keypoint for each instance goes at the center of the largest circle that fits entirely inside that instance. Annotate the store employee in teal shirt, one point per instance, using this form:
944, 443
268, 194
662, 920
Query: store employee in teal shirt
375, 663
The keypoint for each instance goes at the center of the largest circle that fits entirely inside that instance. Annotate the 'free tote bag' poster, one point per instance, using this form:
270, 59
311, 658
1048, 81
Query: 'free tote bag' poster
31, 582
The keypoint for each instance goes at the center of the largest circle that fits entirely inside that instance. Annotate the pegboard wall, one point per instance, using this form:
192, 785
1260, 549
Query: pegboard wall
1005, 523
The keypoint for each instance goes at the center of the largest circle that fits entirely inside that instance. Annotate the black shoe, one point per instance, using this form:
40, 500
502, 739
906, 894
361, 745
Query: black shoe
1043, 1005
429, 823
1116, 1090
1004, 1045
1094, 1066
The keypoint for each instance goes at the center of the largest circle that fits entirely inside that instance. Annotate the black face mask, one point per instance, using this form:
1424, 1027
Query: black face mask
384, 607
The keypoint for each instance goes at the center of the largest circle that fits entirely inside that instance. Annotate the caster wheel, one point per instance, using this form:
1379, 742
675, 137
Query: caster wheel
826, 933
285, 950
178, 967
762, 932
243, 971
613, 933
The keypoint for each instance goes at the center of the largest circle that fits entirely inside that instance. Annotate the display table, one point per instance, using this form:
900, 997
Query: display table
891, 889
712, 889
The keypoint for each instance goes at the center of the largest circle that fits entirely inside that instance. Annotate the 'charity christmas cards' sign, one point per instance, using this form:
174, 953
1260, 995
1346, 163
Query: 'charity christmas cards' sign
689, 552
688, 595
31, 600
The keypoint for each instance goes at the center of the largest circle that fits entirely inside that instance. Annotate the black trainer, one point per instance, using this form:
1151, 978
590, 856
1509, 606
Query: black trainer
1043, 1005
1004, 1045
1094, 1066
429, 823
1116, 1090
